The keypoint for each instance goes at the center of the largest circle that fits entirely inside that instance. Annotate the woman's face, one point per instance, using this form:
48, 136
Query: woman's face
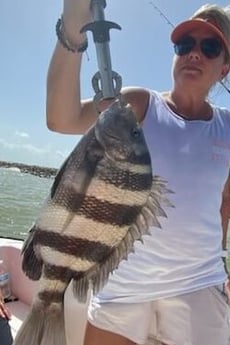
194, 69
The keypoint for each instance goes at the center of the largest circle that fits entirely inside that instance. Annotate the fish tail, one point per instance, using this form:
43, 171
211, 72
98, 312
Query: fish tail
54, 330
31, 330
43, 327
45, 323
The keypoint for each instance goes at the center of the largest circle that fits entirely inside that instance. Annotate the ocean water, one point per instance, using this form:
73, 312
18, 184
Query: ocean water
21, 196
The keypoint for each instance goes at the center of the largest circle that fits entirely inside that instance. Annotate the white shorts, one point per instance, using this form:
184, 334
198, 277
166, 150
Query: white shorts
197, 318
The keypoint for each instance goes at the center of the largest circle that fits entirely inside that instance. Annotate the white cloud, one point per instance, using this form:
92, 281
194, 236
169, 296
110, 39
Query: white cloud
62, 154
22, 134
33, 149
30, 154
6, 144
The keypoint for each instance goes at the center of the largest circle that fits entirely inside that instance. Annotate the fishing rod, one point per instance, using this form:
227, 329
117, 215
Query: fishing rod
106, 83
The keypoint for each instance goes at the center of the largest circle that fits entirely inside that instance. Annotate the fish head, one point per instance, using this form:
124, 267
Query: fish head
119, 133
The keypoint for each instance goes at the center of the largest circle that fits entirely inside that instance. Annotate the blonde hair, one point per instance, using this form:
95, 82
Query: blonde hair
220, 16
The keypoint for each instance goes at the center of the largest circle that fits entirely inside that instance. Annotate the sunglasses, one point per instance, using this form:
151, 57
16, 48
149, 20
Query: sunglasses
210, 47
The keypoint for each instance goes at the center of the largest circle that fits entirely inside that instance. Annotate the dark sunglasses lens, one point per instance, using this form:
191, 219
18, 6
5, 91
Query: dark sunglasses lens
211, 47
184, 45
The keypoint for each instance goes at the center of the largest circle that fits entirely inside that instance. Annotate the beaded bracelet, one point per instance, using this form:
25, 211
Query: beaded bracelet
61, 35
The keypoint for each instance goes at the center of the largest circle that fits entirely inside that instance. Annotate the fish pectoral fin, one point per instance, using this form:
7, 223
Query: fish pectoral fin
95, 154
31, 264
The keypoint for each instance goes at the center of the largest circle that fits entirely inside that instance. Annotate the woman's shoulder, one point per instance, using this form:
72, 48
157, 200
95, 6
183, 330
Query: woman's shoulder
223, 112
221, 118
139, 98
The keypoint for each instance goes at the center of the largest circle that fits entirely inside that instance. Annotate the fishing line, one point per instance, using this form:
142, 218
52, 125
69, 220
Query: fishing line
163, 15
224, 86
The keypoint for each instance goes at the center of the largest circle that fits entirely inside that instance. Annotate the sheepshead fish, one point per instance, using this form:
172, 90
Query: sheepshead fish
103, 198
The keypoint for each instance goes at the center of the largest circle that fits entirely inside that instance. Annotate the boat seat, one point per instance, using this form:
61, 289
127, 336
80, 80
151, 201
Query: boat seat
22, 288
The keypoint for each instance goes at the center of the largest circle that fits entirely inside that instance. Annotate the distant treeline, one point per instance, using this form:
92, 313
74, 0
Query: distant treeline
30, 169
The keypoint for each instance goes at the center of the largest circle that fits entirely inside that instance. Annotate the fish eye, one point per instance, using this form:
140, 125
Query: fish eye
136, 133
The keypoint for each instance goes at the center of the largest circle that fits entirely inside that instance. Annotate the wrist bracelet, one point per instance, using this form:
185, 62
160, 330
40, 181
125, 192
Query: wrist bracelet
224, 253
61, 35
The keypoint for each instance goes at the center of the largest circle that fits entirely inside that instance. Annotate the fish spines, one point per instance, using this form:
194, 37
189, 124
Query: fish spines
81, 288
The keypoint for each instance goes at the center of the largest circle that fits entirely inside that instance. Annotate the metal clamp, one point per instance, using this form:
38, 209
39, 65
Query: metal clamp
106, 83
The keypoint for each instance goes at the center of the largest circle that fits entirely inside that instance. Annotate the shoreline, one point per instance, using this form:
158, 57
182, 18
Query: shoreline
30, 169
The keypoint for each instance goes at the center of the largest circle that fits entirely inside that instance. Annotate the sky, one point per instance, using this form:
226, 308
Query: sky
141, 53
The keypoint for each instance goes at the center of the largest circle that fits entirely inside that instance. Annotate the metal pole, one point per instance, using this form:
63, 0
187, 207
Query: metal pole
103, 81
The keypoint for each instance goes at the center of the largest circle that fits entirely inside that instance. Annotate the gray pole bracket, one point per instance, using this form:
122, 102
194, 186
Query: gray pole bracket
106, 83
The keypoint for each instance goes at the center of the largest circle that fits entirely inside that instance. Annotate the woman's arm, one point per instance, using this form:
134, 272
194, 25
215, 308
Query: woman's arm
66, 113
225, 214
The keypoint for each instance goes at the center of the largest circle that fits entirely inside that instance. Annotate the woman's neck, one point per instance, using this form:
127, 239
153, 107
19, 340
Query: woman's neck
191, 107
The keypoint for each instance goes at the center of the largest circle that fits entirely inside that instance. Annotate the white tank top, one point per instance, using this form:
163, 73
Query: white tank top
185, 255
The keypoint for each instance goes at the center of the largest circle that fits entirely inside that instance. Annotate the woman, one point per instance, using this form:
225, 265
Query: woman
176, 277
5, 315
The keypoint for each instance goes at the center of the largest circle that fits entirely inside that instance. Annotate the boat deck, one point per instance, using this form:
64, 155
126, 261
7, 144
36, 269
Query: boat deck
19, 311
24, 289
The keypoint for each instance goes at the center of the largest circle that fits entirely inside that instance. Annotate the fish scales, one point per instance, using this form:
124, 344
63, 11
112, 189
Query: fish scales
82, 248
103, 198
